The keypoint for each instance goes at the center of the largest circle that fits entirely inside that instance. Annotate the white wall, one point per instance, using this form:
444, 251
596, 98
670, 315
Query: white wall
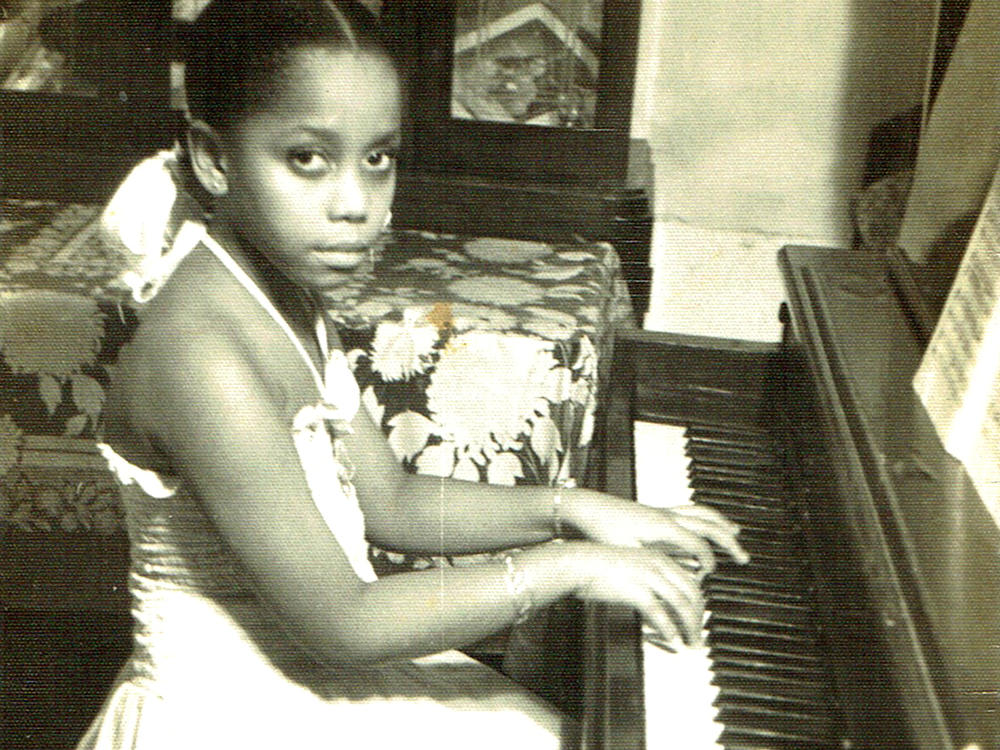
758, 114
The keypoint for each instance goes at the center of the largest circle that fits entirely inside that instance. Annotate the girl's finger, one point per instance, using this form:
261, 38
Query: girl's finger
682, 603
722, 537
652, 635
698, 510
681, 580
680, 539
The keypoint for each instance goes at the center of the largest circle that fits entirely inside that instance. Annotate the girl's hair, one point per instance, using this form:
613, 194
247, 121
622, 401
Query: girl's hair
238, 49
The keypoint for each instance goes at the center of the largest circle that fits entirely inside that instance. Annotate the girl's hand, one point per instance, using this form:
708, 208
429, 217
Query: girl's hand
666, 595
687, 531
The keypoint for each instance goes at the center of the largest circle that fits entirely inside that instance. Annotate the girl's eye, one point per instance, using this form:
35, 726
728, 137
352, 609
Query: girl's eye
309, 162
380, 161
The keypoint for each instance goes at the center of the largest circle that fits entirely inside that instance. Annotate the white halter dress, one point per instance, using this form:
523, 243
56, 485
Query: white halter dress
213, 666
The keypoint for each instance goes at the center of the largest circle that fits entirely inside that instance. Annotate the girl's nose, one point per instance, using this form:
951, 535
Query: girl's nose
348, 201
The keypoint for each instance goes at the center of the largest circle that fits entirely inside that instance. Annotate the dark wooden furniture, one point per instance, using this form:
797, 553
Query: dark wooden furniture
79, 145
543, 212
902, 558
525, 181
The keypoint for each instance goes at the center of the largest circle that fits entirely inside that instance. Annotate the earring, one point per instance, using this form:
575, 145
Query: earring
388, 220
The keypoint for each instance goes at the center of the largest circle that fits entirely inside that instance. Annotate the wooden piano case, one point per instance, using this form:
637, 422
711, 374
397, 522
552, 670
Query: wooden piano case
928, 550
903, 557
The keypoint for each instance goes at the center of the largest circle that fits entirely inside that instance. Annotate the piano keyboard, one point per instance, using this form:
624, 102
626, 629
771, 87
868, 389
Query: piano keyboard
759, 682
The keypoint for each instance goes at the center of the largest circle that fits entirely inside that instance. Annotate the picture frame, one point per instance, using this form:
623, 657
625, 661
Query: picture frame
442, 140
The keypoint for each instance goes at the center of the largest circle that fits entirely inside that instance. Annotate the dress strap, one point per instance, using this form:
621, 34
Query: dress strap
255, 291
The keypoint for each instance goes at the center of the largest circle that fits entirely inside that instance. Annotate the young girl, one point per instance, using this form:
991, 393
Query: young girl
252, 483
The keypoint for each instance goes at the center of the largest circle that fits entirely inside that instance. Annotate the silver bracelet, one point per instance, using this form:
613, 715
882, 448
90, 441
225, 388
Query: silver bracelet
517, 586
557, 525
557, 512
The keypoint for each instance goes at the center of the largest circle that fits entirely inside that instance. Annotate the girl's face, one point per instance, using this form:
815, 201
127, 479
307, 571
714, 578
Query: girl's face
310, 177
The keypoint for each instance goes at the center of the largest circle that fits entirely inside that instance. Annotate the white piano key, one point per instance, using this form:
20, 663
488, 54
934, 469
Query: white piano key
678, 692
660, 463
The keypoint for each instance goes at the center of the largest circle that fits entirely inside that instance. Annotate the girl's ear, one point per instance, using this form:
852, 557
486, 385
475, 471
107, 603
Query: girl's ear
207, 159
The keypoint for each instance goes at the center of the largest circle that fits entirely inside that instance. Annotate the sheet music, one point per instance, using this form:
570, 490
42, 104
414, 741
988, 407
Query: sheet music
958, 380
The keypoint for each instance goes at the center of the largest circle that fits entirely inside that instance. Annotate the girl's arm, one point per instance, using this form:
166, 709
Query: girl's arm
430, 515
222, 425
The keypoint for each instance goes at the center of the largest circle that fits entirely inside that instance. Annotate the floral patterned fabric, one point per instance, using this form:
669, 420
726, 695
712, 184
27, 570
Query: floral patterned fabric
481, 358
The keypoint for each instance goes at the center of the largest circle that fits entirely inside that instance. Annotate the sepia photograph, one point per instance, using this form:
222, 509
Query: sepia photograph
570, 374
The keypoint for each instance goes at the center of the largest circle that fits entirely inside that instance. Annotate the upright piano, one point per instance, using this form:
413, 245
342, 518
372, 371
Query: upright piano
869, 616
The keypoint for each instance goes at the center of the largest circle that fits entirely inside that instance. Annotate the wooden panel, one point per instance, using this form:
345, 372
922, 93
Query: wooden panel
927, 544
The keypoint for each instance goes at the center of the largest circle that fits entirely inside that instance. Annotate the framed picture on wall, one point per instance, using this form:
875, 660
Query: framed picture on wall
538, 91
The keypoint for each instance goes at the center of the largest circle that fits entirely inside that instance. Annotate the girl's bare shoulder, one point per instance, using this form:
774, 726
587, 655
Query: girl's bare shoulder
202, 334
198, 306
189, 334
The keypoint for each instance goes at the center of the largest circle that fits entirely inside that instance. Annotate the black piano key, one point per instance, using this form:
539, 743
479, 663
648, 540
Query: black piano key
763, 548
776, 658
788, 536
738, 681
756, 614
759, 574
761, 439
726, 432
719, 599
780, 590
746, 441
744, 739
770, 694
738, 484
771, 534
763, 643
740, 467
802, 639
812, 684
715, 455
721, 587
769, 705
768, 664
773, 521
791, 724
721, 620
754, 497
778, 613
748, 501
761, 514
746, 519
809, 719
739, 477
764, 555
